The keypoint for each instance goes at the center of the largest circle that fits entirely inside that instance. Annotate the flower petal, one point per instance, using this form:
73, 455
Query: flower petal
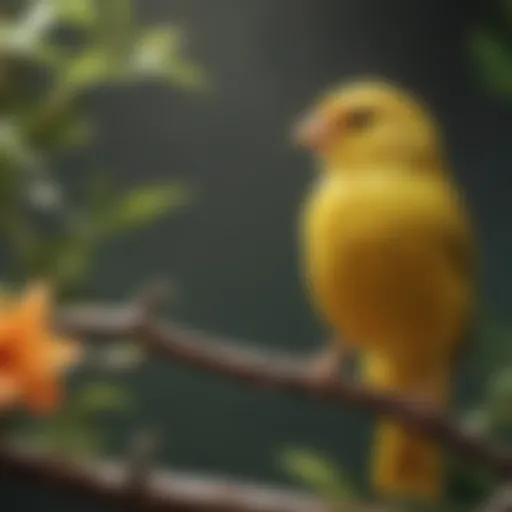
31, 356
43, 396
35, 307
9, 391
65, 353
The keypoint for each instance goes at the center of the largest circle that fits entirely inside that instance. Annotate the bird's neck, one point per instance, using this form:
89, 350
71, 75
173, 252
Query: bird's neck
433, 163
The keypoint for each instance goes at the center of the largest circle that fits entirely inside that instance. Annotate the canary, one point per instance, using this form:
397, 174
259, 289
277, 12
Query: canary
388, 254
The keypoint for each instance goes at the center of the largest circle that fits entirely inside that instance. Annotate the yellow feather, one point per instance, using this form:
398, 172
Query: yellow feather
387, 255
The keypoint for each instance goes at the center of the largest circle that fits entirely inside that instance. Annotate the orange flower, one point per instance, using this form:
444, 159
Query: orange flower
32, 357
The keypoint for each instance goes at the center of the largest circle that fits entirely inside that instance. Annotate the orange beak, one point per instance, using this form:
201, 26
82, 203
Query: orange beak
314, 132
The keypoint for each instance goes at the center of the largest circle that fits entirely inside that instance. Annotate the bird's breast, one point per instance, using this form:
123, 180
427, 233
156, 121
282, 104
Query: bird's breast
345, 218
369, 254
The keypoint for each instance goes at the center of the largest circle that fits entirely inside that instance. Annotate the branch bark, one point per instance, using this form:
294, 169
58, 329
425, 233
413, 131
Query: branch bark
500, 501
169, 490
236, 360
165, 490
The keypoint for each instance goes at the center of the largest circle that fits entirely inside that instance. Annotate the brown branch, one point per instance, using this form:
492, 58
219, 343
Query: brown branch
165, 490
139, 469
500, 501
239, 362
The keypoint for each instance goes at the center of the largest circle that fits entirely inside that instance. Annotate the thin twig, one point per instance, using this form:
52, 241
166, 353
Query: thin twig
237, 361
500, 501
139, 470
166, 490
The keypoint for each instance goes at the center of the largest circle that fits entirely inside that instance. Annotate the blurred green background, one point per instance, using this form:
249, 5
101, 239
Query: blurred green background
112, 120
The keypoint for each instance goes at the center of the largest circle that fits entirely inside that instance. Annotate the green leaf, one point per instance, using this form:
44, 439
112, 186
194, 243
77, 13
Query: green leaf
114, 27
158, 54
30, 37
37, 21
92, 67
98, 194
493, 60
66, 260
156, 46
85, 442
101, 397
75, 429
81, 13
499, 401
15, 149
70, 439
121, 356
77, 132
16, 44
143, 206
44, 195
58, 128
318, 473
186, 74
39, 439
493, 418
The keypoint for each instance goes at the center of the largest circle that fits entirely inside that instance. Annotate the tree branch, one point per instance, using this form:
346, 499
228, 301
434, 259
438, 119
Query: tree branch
500, 501
236, 360
165, 490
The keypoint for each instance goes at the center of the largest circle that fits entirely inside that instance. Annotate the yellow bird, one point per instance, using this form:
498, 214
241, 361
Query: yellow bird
387, 251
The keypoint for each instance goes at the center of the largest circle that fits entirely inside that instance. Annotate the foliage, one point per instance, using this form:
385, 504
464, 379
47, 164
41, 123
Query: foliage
75, 429
54, 54
319, 473
493, 57
490, 46
492, 418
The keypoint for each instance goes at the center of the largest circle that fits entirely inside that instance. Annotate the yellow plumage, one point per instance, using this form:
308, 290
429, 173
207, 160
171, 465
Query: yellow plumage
387, 255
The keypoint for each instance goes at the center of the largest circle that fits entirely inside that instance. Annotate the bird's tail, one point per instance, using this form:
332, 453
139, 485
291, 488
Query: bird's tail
404, 464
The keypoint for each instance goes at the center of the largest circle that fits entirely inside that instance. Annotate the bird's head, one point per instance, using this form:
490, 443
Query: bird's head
371, 124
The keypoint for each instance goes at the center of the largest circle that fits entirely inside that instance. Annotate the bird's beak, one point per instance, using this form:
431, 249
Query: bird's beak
312, 132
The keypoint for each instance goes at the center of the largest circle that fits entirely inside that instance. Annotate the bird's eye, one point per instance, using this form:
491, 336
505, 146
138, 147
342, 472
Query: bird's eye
359, 119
